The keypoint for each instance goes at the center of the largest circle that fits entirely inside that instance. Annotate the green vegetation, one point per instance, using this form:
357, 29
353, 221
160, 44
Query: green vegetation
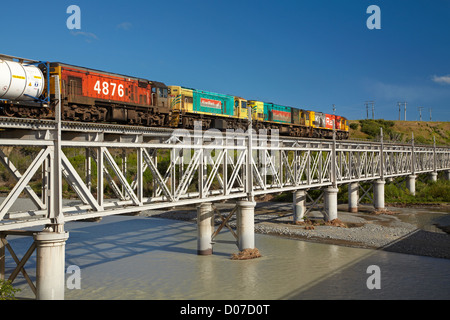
426, 193
7, 292
372, 129
22, 158
429, 192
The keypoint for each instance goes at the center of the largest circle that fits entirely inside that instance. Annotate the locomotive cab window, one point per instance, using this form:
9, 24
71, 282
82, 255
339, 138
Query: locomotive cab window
162, 93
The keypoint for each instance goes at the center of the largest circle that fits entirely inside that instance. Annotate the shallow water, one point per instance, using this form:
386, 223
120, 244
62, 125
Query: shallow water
151, 258
427, 219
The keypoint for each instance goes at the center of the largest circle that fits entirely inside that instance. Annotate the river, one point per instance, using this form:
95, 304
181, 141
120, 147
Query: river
134, 258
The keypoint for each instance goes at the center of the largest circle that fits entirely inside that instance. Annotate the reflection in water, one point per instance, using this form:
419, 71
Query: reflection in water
150, 258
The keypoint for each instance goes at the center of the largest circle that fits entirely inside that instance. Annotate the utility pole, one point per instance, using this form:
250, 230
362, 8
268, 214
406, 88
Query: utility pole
404, 103
399, 110
373, 111
367, 109
334, 109
420, 113
430, 113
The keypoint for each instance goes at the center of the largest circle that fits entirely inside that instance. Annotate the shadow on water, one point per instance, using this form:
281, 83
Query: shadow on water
401, 277
418, 274
125, 238
96, 243
152, 258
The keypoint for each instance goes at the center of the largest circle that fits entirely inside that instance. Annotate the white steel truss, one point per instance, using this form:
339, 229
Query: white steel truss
134, 171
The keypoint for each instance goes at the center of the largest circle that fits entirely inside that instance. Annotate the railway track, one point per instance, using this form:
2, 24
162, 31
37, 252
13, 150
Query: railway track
9, 123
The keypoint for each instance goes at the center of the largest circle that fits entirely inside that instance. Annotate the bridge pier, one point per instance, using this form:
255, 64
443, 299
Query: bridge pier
433, 176
411, 184
50, 265
331, 203
205, 218
353, 196
246, 224
378, 194
299, 205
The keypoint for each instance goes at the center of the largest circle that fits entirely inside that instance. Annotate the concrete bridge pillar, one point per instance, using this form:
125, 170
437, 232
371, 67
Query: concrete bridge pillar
50, 265
411, 184
246, 224
378, 194
353, 196
331, 203
433, 176
299, 205
205, 216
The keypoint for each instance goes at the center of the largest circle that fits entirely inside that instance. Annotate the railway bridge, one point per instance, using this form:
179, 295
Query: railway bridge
116, 169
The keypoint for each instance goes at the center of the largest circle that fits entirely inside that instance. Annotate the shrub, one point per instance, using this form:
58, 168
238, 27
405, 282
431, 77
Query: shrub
7, 292
372, 128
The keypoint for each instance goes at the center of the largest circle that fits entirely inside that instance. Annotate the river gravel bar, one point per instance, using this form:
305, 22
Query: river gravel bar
411, 230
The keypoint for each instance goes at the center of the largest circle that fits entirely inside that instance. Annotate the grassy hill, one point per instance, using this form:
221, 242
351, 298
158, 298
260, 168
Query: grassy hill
401, 130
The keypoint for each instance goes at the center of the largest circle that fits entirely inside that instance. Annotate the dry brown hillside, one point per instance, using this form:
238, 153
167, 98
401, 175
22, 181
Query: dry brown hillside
401, 130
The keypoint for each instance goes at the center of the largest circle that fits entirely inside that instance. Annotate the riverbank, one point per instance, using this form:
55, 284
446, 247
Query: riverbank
422, 230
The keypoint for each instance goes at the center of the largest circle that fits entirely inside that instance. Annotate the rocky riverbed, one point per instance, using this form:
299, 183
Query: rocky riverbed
419, 231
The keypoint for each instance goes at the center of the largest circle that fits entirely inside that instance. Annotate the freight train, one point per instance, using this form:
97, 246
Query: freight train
27, 89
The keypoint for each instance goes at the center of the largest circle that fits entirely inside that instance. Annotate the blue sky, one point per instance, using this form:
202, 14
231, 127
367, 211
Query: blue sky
307, 54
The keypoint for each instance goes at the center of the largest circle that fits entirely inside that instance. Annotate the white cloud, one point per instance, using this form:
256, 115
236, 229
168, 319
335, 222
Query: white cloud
124, 26
406, 92
442, 79
88, 35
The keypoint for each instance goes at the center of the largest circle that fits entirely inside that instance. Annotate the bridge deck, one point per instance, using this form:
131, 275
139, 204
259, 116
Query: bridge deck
151, 168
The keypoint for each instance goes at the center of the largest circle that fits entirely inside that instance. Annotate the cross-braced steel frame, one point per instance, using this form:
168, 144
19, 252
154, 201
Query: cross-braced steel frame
148, 170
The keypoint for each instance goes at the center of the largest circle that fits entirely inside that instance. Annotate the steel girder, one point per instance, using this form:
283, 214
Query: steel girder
136, 171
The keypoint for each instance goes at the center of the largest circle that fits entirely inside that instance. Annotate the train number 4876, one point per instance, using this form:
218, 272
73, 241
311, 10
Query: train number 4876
109, 88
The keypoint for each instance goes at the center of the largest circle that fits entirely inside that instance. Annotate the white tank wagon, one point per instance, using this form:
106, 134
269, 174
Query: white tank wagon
20, 81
